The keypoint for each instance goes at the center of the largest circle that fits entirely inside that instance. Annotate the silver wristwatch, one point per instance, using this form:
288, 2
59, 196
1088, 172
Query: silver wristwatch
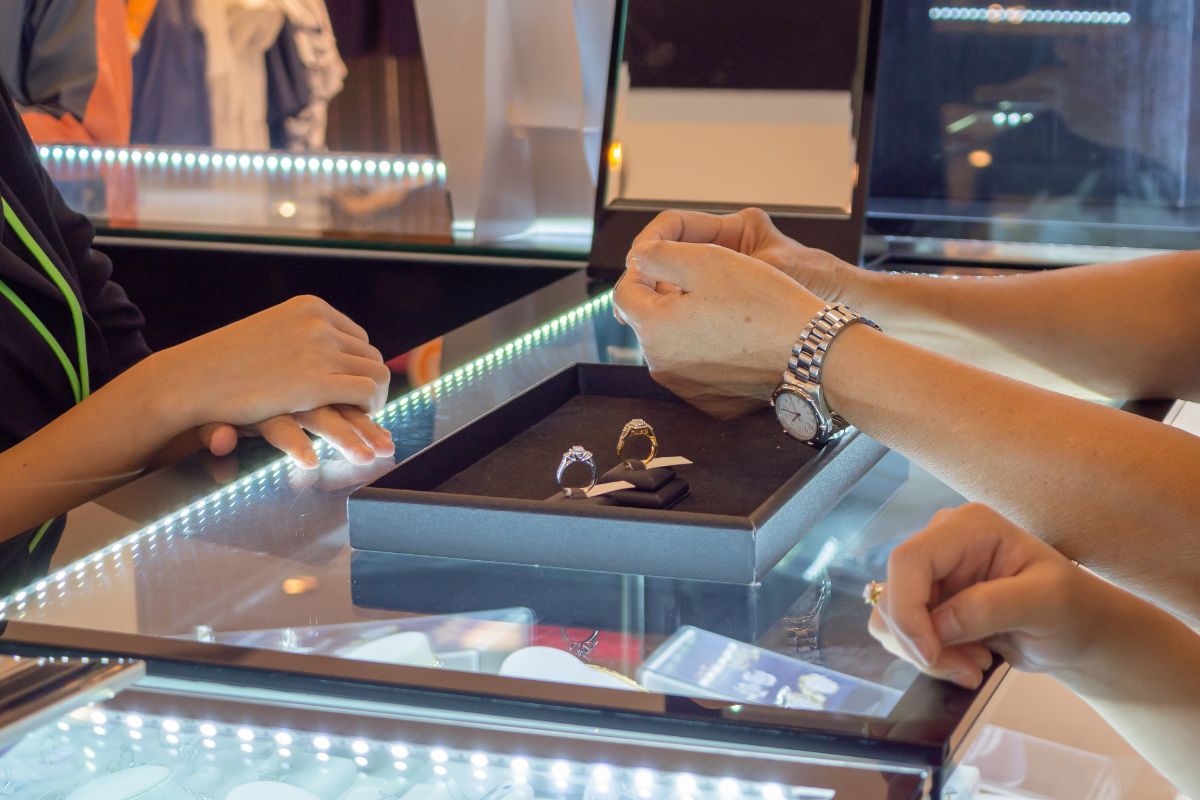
799, 400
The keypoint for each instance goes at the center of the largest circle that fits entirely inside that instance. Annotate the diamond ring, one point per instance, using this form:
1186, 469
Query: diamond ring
634, 429
576, 454
872, 592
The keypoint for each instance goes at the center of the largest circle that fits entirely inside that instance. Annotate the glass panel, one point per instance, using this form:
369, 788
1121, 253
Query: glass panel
151, 745
421, 122
729, 110
1054, 122
263, 562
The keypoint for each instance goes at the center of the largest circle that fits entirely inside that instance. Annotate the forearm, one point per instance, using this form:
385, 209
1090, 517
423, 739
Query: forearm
1082, 476
1123, 330
1143, 676
104, 441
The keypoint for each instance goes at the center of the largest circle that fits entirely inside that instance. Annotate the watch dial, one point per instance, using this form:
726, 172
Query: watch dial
796, 416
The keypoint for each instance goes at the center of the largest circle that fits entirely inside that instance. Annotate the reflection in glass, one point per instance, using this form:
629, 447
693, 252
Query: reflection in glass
734, 105
1048, 123
321, 119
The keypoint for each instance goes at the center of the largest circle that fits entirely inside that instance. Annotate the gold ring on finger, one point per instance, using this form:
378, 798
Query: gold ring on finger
872, 592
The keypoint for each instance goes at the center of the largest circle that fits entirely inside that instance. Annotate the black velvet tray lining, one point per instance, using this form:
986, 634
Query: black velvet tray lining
738, 463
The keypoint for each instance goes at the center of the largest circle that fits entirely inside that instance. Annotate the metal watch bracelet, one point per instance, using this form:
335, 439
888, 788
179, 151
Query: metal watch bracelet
808, 353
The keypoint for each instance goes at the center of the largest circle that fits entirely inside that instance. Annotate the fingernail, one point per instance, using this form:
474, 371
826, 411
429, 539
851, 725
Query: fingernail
927, 650
309, 461
966, 679
923, 652
946, 625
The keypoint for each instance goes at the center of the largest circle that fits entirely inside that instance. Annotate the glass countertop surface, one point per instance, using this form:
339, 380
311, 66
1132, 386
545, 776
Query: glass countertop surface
249, 561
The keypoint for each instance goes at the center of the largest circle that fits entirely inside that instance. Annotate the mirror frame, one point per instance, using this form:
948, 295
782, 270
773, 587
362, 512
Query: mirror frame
616, 226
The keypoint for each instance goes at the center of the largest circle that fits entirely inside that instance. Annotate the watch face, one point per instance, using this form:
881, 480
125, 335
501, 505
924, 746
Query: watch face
797, 416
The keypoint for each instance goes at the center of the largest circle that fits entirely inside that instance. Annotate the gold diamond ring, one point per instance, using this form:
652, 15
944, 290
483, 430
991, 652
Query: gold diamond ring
872, 592
634, 429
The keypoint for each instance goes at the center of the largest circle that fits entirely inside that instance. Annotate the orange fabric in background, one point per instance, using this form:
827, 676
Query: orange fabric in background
137, 17
109, 113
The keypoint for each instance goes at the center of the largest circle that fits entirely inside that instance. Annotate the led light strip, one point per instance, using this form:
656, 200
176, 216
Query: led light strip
1015, 15
244, 162
271, 475
109, 727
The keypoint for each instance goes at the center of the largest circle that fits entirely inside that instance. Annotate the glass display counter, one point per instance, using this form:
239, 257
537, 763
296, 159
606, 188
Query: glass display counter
179, 740
395, 200
250, 582
390, 126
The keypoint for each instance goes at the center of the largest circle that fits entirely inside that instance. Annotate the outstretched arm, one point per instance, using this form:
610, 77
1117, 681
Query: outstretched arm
717, 327
301, 363
1124, 330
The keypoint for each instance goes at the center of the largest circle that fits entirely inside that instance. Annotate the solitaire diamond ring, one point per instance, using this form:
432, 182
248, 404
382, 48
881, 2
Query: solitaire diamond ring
577, 454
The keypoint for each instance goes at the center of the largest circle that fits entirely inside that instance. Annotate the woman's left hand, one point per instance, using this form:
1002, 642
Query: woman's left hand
972, 584
359, 439
716, 326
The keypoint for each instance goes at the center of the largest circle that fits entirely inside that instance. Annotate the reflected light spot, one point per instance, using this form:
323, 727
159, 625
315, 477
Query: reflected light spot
287, 209
979, 159
300, 584
616, 156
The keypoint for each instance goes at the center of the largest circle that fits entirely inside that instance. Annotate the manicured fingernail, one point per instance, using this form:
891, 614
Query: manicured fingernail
946, 625
927, 650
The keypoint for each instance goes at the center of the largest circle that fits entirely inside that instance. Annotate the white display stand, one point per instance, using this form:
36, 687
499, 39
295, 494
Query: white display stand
517, 89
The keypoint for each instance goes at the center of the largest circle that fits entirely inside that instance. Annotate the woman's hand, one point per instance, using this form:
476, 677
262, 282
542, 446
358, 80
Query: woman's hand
716, 326
295, 357
359, 439
751, 232
972, 584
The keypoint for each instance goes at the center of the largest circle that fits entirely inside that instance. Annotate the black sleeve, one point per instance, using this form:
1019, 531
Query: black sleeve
119, 319
104, 301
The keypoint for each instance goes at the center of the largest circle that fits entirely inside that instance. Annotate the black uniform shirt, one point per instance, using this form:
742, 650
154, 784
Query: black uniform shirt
34, 389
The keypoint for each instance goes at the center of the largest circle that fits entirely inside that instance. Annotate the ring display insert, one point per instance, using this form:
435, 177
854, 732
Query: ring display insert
481, 492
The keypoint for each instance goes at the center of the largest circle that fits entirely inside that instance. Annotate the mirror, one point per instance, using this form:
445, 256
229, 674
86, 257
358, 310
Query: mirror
732, 105
717, 106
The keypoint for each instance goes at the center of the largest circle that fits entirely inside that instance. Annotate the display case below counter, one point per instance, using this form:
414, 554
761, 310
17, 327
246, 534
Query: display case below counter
182, 740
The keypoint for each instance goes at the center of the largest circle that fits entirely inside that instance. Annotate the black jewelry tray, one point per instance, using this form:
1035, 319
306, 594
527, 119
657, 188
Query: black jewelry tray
480, 493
